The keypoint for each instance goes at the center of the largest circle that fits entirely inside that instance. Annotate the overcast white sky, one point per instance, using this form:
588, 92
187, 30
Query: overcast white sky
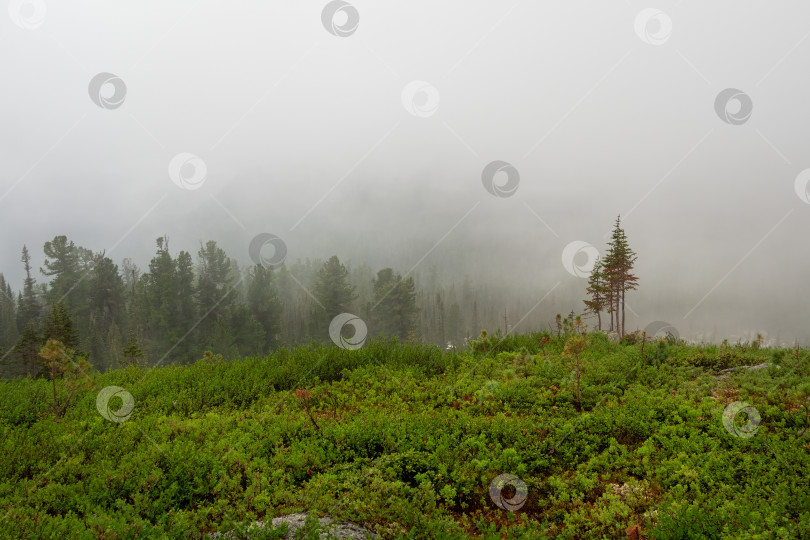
307, 135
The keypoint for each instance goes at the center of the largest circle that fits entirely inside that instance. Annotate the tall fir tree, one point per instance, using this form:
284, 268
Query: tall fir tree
8, 317
187, 314
247, 334
265, 305
131, 352
597, 290
157, 302
335, 294
441, 334
394, 308
24, 358
617, 271
215, 297
107, 312
29, 308
58, 325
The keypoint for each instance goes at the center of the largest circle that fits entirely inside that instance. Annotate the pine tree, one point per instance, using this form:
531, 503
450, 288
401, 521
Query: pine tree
247, 334
597, 290
25, 354
394, 309
29, 307
215, 297
132, 351
62, 362
8, 316
106, 294
573, 348
156, 300
69, 266
332, 289
130, 275
107, 310
62, 263
186, 314
617, 266
440, 321
59, 326
265, 305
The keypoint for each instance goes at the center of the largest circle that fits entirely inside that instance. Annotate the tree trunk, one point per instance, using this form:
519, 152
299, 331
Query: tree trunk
619, 329
623, 291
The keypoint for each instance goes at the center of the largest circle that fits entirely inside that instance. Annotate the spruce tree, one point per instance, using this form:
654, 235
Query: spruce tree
58, 325
25, 354
107, 311
8, 316
28, 304
132, 351
157, 301
440, 321
215, 297
332, 289
617, 266
394, 309
597, 291
265, 305
186, 313
247, 334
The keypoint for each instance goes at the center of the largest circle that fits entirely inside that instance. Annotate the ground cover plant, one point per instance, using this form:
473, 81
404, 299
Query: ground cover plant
645, 438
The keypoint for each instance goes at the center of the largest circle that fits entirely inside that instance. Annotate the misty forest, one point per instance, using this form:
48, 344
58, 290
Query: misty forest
178, 309
458, 269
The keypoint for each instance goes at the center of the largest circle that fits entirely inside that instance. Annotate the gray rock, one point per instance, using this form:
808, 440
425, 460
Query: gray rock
763, 365
758, 366
335, 529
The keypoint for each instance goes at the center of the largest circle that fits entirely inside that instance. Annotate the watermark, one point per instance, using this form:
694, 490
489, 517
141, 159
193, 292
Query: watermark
27, 14
420, 98
187, 171
573, 251
123, 413
258, 254
661, 329
734, 425
502, 189
352, 342
340, 18
107, 90
653, 26
516, 501
733, 106
801, 186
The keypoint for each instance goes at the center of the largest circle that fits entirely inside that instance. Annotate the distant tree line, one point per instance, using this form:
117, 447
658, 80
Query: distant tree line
179, 307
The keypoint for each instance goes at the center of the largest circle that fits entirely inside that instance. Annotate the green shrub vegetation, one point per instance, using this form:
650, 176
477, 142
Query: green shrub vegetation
405, 440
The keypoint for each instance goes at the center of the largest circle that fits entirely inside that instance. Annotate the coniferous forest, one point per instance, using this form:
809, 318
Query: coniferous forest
182, 305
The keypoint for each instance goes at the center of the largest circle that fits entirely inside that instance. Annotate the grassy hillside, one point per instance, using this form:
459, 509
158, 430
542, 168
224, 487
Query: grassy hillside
406, 440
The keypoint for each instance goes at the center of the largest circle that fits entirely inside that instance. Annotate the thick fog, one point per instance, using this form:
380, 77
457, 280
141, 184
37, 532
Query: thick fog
364, 132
